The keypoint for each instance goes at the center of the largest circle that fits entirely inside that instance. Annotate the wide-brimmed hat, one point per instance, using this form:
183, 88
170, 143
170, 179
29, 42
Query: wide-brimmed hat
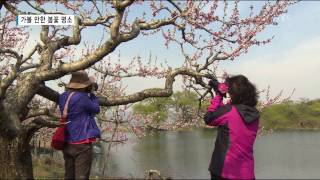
79, 80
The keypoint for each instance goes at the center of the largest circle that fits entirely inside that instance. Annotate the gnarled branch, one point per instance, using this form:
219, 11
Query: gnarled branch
139, 96
39, 123
41, 112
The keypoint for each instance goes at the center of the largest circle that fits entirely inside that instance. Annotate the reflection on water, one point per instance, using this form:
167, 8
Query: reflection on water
186, 154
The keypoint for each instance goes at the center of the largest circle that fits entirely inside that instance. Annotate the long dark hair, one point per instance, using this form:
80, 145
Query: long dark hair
242, 91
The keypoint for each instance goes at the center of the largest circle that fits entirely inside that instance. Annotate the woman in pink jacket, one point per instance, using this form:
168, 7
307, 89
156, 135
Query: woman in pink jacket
237, 124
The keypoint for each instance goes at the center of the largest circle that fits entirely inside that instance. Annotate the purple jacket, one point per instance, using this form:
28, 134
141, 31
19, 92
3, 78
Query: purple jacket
232, 157
81, 111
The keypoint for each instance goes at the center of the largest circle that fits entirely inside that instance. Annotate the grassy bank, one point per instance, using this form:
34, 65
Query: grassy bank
47, 168
292, 115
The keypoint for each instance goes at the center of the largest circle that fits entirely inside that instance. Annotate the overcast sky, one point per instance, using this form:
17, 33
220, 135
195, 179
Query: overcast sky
290, 61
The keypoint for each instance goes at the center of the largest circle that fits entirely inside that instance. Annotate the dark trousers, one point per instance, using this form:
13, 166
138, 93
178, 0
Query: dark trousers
216, 177
77, 160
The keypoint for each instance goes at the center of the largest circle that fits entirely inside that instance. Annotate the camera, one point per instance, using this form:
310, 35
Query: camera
219, 88
95, 86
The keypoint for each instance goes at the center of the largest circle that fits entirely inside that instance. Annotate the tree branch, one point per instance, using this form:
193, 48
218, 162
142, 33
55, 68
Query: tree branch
9, 51
48, 93
83, 63
7, 81
120, 6
89, 60
175, 5
158, 23
44, 34
99, 20
94, 2
35, 48
39, 123
36, 8
106, 48
46, 123
13, 9
41, 112
16, 12
210, 59
135, 31
153, 92
76, 36
27, 67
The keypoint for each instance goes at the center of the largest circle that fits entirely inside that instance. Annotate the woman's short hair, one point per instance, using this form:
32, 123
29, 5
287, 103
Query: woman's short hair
242, 91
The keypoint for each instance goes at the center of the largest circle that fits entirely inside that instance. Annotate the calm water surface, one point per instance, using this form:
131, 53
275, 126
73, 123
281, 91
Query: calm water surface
186, 155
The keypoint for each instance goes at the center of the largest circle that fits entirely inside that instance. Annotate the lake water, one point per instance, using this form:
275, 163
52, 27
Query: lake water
186, 155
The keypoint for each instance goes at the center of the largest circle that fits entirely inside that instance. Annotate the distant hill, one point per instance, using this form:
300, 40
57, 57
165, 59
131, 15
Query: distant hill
292, 115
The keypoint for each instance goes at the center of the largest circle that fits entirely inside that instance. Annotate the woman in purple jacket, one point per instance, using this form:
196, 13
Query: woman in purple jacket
237, 124
81, 128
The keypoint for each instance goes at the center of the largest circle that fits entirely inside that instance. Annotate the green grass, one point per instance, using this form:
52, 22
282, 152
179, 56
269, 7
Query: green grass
292, 115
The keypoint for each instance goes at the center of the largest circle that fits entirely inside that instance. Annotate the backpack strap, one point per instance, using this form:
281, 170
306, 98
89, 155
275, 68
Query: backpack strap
65, 109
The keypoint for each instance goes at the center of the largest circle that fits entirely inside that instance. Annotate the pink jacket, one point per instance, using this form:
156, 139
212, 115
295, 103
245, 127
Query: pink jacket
237, 129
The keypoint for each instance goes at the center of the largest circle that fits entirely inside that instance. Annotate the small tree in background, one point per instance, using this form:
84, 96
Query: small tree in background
186, 104
154, 108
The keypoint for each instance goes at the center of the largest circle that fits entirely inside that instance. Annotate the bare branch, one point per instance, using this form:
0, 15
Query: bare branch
135, 31
120, 6
99, 20
125, 3
115, 26
27, 67
36, 8
210, 59
76, 36
175, 5
44, 34
16, 12
13, 9
154, 92
94, 2
35, 48
48, 93
158, 23
9, 51
41, 112
137, 26
39, 123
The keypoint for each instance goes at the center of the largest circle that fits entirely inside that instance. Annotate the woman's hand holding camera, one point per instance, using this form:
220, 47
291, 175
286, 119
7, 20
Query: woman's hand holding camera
219, 88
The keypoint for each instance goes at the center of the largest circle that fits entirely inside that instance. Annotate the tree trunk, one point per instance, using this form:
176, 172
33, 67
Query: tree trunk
15, 158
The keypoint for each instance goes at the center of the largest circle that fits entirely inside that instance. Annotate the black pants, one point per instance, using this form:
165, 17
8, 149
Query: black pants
216, 177
77, 160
